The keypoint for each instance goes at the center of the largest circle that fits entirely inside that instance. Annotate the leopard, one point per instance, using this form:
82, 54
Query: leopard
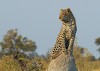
65, 39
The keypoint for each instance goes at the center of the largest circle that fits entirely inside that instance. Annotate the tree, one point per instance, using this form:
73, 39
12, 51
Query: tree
97, 42
13, 42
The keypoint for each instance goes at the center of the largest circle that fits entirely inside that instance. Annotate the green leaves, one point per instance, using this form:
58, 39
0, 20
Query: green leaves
14, 41
97, 41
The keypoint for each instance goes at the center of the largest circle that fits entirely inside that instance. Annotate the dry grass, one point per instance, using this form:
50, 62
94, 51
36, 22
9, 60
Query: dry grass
7, 63
96, 65
97, 69
84, 62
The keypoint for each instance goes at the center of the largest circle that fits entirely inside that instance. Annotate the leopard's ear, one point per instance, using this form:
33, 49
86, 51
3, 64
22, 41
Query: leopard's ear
68, 9
61, 10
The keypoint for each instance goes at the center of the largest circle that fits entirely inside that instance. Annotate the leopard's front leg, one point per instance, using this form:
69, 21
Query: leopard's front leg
70, 47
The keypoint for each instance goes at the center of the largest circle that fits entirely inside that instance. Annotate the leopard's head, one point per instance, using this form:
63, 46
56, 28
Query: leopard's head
65, 15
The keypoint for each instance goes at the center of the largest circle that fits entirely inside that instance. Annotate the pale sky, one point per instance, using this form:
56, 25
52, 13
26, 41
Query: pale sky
38, 20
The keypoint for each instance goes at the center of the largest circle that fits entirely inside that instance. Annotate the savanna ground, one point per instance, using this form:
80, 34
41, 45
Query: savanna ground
84, 62
14, 58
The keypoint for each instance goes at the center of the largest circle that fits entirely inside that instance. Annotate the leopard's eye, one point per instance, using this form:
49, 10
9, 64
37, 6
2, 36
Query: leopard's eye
64, 13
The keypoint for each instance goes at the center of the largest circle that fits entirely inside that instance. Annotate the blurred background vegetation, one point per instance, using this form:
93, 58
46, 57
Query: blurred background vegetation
18, 54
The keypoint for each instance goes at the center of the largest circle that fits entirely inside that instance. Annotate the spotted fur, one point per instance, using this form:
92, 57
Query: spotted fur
66, 36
